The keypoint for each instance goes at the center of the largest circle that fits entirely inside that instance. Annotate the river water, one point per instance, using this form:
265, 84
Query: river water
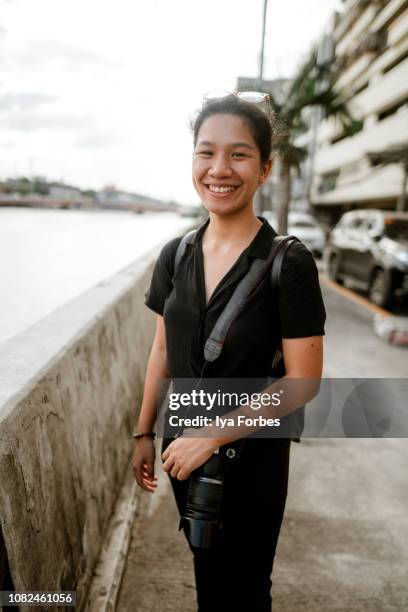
48, 257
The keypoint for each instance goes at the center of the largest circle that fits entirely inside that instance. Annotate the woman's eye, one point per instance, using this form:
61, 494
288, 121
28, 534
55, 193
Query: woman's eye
209, 153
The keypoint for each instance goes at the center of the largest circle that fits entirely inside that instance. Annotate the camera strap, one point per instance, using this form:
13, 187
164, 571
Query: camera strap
258, 269
248, 284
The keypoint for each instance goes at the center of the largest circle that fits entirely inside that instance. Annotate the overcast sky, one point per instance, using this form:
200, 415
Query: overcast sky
99, 92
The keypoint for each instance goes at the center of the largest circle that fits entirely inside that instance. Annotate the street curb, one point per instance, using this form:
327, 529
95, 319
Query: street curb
354, 297
386, 325
107, 576
132, 502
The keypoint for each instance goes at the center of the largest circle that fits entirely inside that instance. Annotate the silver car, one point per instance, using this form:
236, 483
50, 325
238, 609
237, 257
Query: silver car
304, 227
370, 248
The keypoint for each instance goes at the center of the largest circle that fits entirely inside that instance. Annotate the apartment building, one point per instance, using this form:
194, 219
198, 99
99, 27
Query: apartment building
371, 48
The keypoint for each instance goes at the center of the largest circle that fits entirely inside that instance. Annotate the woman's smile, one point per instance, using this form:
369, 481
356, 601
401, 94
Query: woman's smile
221, 191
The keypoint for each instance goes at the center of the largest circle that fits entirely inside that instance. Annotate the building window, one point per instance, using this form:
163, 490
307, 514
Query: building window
328, 182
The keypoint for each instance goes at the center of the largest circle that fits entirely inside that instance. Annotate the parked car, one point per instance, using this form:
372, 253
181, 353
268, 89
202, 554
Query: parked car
304, 227
371, 248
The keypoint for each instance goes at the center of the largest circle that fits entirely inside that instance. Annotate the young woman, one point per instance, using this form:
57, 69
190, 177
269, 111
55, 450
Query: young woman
231, 159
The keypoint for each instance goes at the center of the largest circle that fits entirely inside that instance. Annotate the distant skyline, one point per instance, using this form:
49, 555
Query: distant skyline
102, 93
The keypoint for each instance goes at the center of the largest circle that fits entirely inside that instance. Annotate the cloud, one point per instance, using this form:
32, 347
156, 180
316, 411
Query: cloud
40, 53
30, 122
24, 101
99, 138
3, 33
2, 43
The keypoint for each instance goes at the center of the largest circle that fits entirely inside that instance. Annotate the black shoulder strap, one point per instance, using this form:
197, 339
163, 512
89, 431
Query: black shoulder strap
186, 239
277, 265
250, 281
276, 268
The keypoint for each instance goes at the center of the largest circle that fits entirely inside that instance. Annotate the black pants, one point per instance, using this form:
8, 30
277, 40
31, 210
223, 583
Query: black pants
235, 575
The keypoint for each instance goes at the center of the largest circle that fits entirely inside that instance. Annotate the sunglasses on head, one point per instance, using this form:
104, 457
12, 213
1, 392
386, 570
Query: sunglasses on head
254, 97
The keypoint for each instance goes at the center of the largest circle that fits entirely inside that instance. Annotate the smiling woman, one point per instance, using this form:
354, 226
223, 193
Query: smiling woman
231, 159
227, 168
231, 154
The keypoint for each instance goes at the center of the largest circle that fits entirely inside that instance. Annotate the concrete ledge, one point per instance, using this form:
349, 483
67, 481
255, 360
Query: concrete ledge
69, 395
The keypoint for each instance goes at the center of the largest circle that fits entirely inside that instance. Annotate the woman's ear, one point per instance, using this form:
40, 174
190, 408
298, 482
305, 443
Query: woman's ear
265, 171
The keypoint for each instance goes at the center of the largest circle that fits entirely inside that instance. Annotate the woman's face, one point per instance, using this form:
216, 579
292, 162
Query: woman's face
227, 167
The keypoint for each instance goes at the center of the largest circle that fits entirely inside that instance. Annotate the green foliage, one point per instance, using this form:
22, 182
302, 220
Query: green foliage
40, 187
313, 85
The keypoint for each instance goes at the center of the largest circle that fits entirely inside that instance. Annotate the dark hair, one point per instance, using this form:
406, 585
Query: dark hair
256, 120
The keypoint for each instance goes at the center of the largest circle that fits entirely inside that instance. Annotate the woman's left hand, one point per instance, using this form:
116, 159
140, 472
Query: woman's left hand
186, 454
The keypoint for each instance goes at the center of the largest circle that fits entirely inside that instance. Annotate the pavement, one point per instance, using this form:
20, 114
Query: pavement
342, 546
351, 348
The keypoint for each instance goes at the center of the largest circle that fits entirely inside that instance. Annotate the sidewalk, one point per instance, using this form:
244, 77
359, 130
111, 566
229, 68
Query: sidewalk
342, 546
159, 573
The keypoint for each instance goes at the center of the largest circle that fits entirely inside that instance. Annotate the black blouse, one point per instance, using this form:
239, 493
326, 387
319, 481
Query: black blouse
254, 336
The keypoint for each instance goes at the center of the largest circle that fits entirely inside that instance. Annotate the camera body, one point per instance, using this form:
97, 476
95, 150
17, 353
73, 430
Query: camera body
202, 518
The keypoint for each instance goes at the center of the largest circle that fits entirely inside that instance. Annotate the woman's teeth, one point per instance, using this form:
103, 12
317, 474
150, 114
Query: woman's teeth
221, 189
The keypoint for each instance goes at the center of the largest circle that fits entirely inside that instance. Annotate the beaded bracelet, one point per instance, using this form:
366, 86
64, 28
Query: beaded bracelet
140, 434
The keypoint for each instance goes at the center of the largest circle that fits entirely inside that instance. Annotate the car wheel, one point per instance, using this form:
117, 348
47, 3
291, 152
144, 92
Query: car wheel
333, 269
380, 288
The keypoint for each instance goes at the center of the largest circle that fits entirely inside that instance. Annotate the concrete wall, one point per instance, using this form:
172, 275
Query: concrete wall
70, 388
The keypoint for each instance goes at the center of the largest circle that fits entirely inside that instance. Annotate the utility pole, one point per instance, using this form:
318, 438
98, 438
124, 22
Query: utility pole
259, 195
261, 59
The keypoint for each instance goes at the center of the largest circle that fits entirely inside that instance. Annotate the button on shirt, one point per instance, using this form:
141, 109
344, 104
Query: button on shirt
254, 336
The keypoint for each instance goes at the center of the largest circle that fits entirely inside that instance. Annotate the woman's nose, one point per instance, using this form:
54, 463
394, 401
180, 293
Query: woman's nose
220, 166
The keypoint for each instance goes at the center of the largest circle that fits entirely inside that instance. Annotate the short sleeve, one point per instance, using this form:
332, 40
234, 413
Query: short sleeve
161, 281
301, 307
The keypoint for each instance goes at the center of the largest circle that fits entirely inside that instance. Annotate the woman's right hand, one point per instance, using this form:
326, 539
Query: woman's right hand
143, 463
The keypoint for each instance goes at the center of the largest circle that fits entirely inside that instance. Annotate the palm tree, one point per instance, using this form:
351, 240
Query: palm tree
311, 87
